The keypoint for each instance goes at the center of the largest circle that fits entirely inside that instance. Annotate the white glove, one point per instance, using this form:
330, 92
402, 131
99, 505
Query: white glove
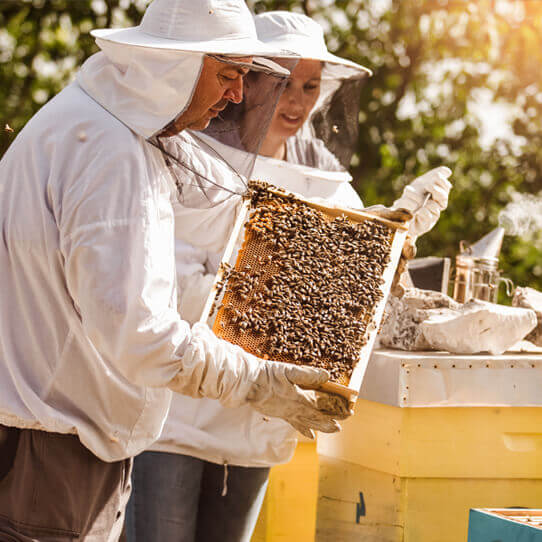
278, 392
216, 369
434, 182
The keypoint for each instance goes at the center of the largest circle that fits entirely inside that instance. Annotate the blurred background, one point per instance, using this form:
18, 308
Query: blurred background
456, 83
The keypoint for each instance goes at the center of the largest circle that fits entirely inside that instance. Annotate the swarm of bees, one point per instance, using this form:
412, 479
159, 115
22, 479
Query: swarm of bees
305, 284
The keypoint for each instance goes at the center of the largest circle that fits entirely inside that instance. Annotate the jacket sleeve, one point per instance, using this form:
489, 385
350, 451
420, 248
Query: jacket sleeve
117, 240
193, 293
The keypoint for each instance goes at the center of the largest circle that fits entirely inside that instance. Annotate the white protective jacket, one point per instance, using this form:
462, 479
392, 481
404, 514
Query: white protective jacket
203, 428
89, 328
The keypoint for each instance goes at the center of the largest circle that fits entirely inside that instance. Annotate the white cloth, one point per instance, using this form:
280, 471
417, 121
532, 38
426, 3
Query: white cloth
90, 332
203, 428
478, 326
426, 320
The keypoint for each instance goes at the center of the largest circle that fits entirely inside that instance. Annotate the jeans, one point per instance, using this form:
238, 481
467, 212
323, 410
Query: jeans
178, 498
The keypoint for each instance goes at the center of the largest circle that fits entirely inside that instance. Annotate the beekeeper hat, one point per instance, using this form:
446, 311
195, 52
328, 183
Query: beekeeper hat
223, 27
304, 37
334, 117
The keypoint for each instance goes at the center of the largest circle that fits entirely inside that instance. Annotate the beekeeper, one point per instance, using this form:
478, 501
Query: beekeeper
205, 478
91, 343
315, 123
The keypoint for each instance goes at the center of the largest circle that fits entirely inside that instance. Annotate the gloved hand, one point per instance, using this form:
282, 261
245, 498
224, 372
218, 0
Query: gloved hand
278, 392
434, 182
400, 279
214, 368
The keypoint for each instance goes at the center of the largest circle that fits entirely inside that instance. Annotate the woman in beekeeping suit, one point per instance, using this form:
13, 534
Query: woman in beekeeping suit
205, 478
316, 124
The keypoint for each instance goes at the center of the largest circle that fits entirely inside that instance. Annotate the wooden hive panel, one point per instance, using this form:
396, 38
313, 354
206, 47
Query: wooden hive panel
531, 517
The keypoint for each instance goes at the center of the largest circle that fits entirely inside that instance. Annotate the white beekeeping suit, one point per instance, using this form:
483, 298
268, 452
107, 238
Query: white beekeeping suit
202, 428
90, 336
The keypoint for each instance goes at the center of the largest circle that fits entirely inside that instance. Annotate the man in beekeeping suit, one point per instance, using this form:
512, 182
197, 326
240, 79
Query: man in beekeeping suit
91, 342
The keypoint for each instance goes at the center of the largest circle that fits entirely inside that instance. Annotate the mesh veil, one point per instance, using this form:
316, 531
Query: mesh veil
212, 165
333, 121
336, 123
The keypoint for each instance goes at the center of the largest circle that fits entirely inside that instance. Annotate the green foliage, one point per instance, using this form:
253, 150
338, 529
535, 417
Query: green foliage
432, 60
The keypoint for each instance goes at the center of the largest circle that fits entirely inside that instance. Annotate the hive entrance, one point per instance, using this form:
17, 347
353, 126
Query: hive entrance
305, 284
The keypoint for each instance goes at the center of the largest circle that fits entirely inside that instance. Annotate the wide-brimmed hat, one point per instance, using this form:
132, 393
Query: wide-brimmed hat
298, 33
223, 27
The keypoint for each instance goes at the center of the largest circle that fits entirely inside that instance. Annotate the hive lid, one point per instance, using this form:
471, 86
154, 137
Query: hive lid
488, 246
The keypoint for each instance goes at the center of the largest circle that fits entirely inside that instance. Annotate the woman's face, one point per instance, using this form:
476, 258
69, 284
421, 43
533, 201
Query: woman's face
297, 100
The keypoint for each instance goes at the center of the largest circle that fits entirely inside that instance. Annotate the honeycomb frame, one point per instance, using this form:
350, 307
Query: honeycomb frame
248, 253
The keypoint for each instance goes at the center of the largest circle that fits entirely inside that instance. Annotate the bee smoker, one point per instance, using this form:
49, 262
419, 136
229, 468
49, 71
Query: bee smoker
477, 274
464, 267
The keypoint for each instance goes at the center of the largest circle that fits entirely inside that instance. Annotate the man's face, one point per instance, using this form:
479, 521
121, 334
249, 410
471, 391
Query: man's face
218, 84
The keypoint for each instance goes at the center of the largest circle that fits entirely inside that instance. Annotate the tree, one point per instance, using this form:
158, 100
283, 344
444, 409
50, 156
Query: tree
42, 43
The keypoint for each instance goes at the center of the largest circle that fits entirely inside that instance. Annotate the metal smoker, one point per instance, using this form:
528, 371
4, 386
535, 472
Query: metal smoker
477, 274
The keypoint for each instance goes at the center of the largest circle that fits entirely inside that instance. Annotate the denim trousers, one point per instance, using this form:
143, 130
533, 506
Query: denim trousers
178, 498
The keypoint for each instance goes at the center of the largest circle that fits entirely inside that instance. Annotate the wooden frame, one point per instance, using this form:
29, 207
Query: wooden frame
352, 390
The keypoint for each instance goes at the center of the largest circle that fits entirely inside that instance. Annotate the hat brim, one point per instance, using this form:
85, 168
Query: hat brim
259, 64
232, 47
305, 51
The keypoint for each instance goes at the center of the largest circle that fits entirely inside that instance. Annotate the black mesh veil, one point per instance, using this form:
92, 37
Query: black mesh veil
336, 122
332, 127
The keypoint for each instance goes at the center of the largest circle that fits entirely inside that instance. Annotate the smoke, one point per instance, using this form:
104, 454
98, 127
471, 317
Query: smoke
522, 216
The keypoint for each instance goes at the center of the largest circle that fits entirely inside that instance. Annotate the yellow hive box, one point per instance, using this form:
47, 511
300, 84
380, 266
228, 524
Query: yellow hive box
411, 474
418, 471
289, 510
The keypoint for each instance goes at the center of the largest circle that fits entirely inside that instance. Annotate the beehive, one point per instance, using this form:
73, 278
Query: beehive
308, 285
510, 525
